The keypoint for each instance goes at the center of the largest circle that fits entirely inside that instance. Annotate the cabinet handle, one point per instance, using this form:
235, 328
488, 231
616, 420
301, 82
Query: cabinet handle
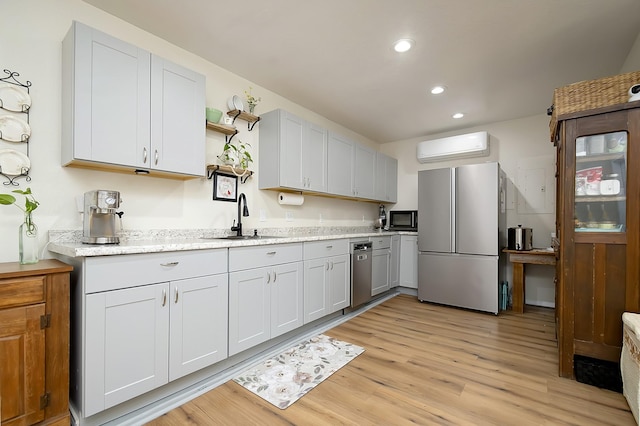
327, 264
156, 160
164, 297
169, 264
274, 276
271, 253
329, 247
176, 299
332, 265
268, 277
144, 155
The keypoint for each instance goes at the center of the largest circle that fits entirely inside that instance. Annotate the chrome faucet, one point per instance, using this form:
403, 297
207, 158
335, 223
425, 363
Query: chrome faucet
245, 212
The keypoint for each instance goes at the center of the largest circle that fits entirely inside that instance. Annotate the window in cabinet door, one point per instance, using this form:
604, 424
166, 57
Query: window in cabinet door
601, 170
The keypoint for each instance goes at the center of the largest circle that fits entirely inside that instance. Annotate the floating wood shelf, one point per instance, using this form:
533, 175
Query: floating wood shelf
222, 128
243, 174
243, 115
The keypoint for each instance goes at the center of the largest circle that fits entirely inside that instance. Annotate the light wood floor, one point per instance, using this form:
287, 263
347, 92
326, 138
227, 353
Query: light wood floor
427, 364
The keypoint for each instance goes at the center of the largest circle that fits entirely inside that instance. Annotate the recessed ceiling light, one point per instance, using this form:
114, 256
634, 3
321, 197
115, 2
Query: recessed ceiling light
403, 45
458, 115
437, 90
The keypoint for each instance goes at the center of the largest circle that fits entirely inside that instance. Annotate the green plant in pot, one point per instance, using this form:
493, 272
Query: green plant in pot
236, 155
28, 231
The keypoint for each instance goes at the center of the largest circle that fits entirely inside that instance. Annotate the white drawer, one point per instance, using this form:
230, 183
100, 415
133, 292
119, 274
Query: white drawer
105, 273
381, 242
259, 256
326, 248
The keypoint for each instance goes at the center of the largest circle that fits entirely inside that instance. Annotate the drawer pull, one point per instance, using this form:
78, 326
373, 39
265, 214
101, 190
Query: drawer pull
329, 247
169, 264
271, 253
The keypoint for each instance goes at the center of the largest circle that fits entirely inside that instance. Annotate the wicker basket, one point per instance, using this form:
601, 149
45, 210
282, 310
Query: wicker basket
591, 94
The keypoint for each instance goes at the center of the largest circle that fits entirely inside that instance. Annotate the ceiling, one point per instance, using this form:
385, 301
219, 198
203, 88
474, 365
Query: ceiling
499, 59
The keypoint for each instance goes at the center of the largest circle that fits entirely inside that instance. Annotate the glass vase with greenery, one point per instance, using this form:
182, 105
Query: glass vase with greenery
28, 231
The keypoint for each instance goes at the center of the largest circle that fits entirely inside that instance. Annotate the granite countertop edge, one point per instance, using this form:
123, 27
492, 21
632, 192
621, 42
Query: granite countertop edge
68, 243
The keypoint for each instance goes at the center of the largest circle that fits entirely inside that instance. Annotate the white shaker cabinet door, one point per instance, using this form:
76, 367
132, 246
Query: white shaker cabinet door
198, 333
127, 347
316, 290
249, 309
106, 88
291, 151
340, 164
177, 119
340, 282
380, 271
315, 158
394, 263
364, 164
409, 261
286, 288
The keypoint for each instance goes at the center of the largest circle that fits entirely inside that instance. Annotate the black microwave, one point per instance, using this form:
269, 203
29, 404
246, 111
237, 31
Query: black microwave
403, 220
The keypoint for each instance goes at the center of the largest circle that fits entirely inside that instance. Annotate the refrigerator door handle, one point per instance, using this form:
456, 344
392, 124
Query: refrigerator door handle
452, 217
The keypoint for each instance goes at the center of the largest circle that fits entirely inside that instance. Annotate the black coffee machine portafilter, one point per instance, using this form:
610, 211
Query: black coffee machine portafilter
99, 222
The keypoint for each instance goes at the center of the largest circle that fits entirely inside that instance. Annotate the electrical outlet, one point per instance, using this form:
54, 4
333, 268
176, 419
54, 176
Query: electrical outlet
288, 216
263, 215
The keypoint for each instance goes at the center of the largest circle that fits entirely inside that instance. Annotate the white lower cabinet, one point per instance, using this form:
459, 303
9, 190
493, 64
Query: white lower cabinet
380, 259
327, 281
265, 293
409, 261
142, 335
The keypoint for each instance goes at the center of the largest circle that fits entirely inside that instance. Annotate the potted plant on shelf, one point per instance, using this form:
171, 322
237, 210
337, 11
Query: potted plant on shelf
252, 101
236, 156
28, 231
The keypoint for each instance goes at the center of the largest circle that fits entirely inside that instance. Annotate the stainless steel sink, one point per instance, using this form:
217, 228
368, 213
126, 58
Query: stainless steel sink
241, 237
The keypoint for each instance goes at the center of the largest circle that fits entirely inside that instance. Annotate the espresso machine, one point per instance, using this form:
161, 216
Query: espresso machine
99, 223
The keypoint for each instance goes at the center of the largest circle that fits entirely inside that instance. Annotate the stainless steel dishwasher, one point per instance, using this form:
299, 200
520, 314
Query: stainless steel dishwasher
360, 272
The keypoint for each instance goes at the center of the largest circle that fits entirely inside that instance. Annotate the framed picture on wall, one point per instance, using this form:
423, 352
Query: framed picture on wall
225, 187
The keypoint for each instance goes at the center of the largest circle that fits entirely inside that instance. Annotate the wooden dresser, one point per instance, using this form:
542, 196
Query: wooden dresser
34, 343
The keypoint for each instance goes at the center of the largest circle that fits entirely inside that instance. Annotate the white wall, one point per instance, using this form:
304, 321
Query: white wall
31, 38
633, 60
517, 145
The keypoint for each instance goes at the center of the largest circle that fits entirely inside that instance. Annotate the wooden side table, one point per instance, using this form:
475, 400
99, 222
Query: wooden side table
518, 259
34, 322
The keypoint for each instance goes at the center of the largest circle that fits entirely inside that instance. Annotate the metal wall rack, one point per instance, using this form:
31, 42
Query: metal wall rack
5, 110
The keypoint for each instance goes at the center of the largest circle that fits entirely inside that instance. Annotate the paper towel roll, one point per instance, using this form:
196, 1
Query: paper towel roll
290, 199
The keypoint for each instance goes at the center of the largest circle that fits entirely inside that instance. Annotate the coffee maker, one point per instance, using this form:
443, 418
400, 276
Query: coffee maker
99, 223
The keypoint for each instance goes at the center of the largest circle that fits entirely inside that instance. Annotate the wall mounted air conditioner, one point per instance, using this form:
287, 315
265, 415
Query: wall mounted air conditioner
462, 146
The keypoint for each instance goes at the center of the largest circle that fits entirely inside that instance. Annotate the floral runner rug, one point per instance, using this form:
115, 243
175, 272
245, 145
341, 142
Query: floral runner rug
285, 378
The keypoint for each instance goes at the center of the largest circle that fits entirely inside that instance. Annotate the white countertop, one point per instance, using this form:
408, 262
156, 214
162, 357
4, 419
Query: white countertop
67, 243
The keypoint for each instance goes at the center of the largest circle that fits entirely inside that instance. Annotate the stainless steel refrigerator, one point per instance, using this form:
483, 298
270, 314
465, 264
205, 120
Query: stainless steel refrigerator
461, 229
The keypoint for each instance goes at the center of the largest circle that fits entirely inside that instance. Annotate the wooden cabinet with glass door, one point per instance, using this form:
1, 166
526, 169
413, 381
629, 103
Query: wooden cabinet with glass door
598, 220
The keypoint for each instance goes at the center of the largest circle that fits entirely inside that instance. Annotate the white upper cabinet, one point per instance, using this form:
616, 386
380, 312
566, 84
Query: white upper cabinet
126, 109
300, 155
386, 178
293, 153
